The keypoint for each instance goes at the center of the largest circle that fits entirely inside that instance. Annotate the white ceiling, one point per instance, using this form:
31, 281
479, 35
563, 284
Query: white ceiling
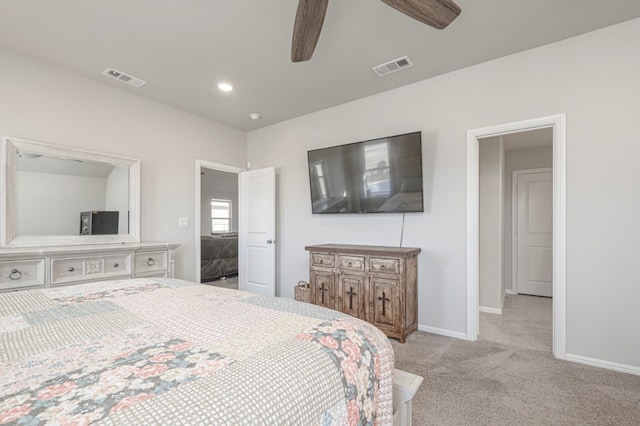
527, 139
62, 166
183, 47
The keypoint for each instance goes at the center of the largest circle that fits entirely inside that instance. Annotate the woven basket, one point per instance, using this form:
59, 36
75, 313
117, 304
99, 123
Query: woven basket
302, 292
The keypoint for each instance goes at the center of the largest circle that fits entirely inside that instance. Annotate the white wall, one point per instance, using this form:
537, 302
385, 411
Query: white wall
219, 185
69, 194
491, 222
117, 197
593, 79
533, 158
48, 104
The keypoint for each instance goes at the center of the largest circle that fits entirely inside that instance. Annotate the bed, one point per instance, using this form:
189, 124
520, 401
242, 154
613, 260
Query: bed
164, 351
218, 256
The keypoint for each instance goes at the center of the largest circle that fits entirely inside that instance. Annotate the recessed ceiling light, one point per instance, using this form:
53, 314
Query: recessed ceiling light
225, 87
254, 116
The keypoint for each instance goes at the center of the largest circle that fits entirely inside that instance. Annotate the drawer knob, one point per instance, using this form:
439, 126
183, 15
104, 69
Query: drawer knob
151, 261
71, 269
349, 263
382, 267
15, 275
321, 260
115, 265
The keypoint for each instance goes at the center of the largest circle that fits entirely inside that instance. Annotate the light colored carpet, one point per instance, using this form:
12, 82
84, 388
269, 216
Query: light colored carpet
488, 383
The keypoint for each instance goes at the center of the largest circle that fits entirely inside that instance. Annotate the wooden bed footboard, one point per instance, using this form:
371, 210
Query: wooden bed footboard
405, 386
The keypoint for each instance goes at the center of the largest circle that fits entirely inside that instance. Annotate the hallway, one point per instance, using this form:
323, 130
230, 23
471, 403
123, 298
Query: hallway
526, 321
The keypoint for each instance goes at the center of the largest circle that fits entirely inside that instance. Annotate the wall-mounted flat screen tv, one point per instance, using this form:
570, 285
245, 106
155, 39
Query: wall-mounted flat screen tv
375, 176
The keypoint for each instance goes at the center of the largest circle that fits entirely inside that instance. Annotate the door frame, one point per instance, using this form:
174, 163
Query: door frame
514, 217
202, 164
558, 124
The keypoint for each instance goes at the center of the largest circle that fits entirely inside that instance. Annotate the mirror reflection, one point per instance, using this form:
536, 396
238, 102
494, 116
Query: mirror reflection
67, 196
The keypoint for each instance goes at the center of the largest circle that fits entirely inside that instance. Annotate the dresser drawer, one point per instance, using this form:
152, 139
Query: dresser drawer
351, 263
151, 261
16, 274
323, 260
385, 265
74, 269
117, 265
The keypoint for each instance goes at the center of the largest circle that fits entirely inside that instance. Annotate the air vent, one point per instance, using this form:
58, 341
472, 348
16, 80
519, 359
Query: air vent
123, 78
393, 66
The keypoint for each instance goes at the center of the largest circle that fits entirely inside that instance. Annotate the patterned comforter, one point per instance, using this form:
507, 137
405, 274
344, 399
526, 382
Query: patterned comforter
161, 351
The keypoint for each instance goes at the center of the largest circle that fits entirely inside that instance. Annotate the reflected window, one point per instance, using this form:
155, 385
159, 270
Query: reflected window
220, 216
377, 171
319, 180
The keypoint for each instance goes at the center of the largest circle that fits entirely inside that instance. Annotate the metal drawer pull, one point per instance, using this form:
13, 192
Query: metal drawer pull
115, 265
151, 261
71, 269
15, 275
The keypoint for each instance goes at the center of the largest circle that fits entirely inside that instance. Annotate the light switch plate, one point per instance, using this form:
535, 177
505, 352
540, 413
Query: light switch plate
183, 222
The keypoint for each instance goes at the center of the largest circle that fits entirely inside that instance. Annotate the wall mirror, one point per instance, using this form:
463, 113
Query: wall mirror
53, 195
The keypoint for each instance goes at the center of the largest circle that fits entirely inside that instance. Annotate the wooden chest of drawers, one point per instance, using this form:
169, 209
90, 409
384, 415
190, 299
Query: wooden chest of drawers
376, 284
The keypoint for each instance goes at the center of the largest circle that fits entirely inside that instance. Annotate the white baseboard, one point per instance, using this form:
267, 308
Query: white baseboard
594, 362
442, 332
509, 291
488, 310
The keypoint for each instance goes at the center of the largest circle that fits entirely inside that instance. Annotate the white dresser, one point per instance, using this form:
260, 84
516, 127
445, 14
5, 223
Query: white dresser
23, 268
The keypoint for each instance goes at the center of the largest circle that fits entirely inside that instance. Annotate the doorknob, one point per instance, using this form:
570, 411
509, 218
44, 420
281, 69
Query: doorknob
271, 242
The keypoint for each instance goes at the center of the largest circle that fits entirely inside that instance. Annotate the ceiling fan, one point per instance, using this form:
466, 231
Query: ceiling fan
310, 16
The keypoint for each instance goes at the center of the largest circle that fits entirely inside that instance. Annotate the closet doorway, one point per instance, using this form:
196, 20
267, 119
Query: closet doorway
216, 224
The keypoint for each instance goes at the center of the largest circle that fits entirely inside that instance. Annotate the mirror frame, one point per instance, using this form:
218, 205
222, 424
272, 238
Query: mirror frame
8, 237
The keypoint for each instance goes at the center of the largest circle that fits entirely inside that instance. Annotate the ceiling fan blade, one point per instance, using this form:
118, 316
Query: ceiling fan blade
435, 13
306, 29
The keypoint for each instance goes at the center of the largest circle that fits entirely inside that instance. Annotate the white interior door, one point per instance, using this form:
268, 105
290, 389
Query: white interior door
257, 231
534, 234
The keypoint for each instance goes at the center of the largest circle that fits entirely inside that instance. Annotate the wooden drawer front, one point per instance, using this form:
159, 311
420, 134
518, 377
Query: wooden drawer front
351, 263
385, 303
351, 296
117, 265
69, 270
21, 273
151, 261
385, 265
322, 289
89, 268
323, 260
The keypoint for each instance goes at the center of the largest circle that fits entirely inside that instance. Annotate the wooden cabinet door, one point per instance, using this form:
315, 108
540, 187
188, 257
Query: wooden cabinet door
322, 288
351, 295
384, 303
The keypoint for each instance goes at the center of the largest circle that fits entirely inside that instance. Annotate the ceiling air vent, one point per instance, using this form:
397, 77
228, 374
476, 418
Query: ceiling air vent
393, 66
123, 78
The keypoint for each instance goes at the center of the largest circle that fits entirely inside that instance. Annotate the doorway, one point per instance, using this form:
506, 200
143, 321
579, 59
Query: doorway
216, 224
254, 232
557, 124
516, 239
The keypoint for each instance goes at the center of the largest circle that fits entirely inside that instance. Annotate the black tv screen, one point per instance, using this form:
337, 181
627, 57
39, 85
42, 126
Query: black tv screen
376, 176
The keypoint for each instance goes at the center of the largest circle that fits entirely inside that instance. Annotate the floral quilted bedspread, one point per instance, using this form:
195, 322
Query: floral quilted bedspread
163, 351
